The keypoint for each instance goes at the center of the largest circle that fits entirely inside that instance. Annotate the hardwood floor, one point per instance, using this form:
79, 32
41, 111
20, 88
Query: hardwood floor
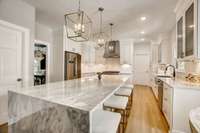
145, 115
4, 128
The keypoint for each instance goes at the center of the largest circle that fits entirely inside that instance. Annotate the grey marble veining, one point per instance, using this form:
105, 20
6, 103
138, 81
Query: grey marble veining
83, 94
61, 107
31, 115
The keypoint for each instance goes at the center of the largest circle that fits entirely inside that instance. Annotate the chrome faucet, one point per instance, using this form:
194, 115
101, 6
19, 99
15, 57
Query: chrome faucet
174, 70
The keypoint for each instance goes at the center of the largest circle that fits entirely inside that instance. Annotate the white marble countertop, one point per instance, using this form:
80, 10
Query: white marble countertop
181, 84
84, 93
195, 118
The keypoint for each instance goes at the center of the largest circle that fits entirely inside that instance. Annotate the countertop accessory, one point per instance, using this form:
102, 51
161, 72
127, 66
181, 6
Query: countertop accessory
193, 78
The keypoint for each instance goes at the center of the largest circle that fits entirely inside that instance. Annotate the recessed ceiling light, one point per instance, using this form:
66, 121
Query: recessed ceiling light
142, 39
142, 32
143, 18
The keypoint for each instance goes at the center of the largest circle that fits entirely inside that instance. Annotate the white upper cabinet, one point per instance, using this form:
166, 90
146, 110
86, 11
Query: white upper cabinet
126, 51
88, 52
72, 46
186, 29
155, 57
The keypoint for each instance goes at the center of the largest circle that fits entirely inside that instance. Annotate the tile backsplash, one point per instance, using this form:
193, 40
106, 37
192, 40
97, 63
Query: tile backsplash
189, 66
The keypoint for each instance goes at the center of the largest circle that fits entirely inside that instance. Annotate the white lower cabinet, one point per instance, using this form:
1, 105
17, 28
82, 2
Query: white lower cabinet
178, 100
167, 103
155, 91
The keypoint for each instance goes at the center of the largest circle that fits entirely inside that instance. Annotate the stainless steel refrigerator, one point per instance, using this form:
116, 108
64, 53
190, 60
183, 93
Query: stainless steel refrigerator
72, 65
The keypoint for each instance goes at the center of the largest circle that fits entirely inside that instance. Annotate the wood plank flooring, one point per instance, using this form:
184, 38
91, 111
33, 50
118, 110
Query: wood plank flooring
145, 115
4, 128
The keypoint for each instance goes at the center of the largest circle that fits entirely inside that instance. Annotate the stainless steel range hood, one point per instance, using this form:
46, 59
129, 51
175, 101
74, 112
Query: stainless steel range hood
112, 49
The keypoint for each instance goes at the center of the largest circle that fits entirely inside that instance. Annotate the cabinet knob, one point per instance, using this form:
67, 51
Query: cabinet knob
19, 80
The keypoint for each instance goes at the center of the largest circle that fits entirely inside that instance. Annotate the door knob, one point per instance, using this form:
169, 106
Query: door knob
19, 80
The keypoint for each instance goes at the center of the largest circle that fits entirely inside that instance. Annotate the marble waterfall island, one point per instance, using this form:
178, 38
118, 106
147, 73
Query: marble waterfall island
62, 107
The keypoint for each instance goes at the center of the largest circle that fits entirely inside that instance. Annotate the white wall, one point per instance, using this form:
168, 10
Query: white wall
22, 14
173, 48
45, 34
58, 56
166, 51
168, 47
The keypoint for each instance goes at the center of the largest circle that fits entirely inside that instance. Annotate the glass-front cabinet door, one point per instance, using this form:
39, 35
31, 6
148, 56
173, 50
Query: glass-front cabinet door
180, 53
189, 31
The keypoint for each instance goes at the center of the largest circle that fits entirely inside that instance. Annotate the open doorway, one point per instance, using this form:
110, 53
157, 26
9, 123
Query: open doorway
41, 63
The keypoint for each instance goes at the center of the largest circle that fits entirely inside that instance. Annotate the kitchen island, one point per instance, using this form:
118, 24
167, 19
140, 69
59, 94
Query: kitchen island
61, 107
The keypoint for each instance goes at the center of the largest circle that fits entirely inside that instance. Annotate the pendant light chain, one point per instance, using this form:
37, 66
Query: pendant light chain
101, 22
79, 5
101, 19
111, 30
78, 25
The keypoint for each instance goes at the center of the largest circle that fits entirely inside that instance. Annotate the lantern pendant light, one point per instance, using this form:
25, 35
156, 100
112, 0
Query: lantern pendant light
101, 36
111, 46
78, 25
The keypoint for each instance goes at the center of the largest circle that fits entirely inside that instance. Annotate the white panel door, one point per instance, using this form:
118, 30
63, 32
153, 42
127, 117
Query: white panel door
10, 65
141, 71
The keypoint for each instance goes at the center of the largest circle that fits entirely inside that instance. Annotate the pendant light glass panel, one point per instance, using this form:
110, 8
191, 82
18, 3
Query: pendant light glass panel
101, 37
78, 26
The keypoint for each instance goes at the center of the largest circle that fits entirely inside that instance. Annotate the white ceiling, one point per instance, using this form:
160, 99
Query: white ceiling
125, 14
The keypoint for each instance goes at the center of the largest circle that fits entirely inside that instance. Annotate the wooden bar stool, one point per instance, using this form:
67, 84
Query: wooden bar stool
118, 104
126, 92
105, 122
129, 86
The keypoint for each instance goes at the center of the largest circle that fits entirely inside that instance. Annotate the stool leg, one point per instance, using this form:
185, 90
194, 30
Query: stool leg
124, 120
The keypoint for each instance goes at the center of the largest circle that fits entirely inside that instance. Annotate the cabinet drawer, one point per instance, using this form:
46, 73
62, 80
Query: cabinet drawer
167, 102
